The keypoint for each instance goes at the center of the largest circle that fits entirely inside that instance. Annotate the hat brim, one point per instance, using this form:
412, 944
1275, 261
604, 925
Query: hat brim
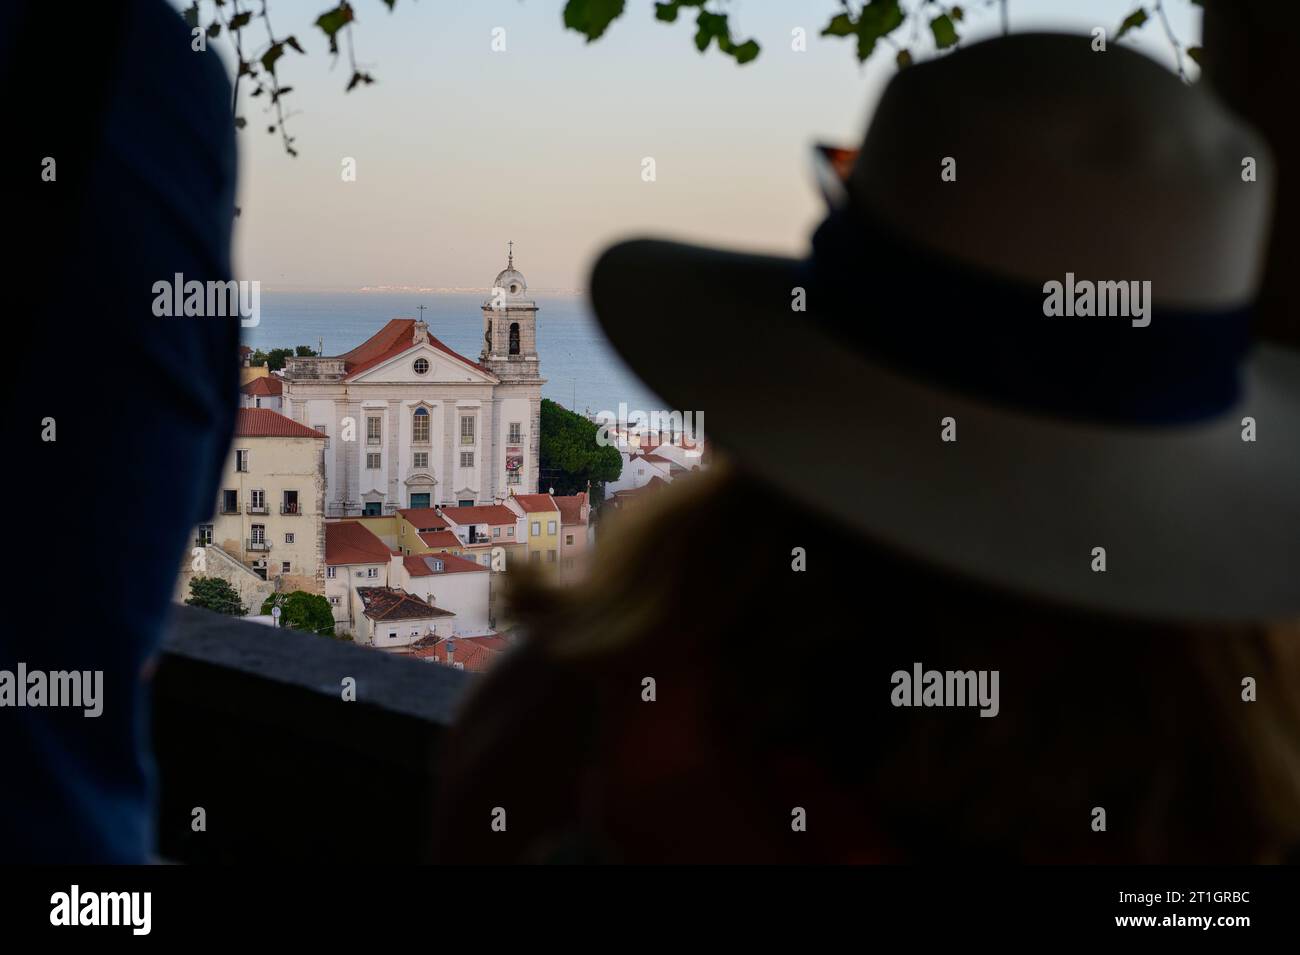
1196, 523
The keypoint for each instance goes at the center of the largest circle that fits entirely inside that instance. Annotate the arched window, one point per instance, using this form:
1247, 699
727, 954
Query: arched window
514, 338
420, 425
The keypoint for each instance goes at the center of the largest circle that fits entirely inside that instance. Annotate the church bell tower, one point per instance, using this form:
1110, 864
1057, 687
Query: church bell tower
510, 326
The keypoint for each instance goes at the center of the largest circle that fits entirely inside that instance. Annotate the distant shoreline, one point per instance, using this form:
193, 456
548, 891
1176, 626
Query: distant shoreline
409, 289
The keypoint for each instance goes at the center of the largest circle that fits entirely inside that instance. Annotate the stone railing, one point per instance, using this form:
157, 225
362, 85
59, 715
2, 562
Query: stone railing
251, 725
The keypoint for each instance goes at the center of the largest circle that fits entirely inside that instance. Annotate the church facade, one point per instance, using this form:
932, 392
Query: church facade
411, 423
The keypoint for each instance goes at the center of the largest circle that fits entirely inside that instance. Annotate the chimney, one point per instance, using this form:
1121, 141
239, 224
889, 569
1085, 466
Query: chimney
451, 650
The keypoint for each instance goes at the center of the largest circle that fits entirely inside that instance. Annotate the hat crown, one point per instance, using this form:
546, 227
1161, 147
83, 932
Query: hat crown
1105, 165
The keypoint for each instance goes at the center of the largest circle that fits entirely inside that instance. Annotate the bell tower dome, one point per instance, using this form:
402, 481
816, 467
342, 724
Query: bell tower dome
510, 325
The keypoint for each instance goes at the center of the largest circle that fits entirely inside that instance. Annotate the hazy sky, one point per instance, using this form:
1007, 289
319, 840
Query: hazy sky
459, 148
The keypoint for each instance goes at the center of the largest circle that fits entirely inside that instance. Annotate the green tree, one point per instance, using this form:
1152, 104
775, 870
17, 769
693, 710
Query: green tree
300, 610
304, 351
276, 358
213, 593
571, 456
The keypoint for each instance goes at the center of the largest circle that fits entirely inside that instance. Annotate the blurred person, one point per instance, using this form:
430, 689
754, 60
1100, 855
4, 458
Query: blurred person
1100, 505
119, 172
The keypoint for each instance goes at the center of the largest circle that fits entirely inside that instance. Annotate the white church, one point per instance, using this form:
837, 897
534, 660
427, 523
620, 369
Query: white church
411, 423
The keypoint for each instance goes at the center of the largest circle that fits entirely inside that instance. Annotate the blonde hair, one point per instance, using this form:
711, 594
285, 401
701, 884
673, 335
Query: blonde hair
1146, 721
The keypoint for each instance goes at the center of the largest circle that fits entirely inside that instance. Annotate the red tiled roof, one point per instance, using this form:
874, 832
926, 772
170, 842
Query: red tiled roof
417, 565
266, 386
393, 603
347, 542
536, 503
476, 654
482, 514
441, 539
424, 518
389, 342
571, 507
265, 423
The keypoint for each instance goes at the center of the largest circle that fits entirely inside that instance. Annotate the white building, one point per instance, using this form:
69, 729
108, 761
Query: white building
453, 583
639, 469
392, 619
413, 424
264, 392
354, 558
387, 599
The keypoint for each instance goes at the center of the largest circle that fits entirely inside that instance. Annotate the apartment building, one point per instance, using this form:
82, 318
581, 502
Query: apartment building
269, 513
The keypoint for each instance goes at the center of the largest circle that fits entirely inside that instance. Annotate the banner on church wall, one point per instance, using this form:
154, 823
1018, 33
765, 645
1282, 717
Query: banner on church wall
514, 459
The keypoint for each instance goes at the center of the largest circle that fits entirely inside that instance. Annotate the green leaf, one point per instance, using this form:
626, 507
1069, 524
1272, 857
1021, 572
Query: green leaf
743, 52
1132, 21
667, 12
271, 55
945, 34
214, 29
710, 26
191, 14
878, 18
1195, 53
591, 17
292, 43
240, 20
841, 25
332, 21
359, 78
958, 14
904, 59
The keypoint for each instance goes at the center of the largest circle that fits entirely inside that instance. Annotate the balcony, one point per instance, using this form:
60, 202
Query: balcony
294, 509
262, 545
257, 509
233, 701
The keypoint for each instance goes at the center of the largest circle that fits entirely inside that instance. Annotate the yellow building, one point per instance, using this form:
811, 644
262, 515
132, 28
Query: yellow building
541, 526
420, 530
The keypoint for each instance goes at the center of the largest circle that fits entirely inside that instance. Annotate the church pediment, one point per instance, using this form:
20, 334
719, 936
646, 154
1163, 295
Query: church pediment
424, 364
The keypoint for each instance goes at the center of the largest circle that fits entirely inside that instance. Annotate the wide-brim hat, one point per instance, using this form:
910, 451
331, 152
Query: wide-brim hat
909, 380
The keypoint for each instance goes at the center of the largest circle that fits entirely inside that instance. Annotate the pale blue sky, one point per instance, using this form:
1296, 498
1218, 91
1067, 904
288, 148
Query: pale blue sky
459, 148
